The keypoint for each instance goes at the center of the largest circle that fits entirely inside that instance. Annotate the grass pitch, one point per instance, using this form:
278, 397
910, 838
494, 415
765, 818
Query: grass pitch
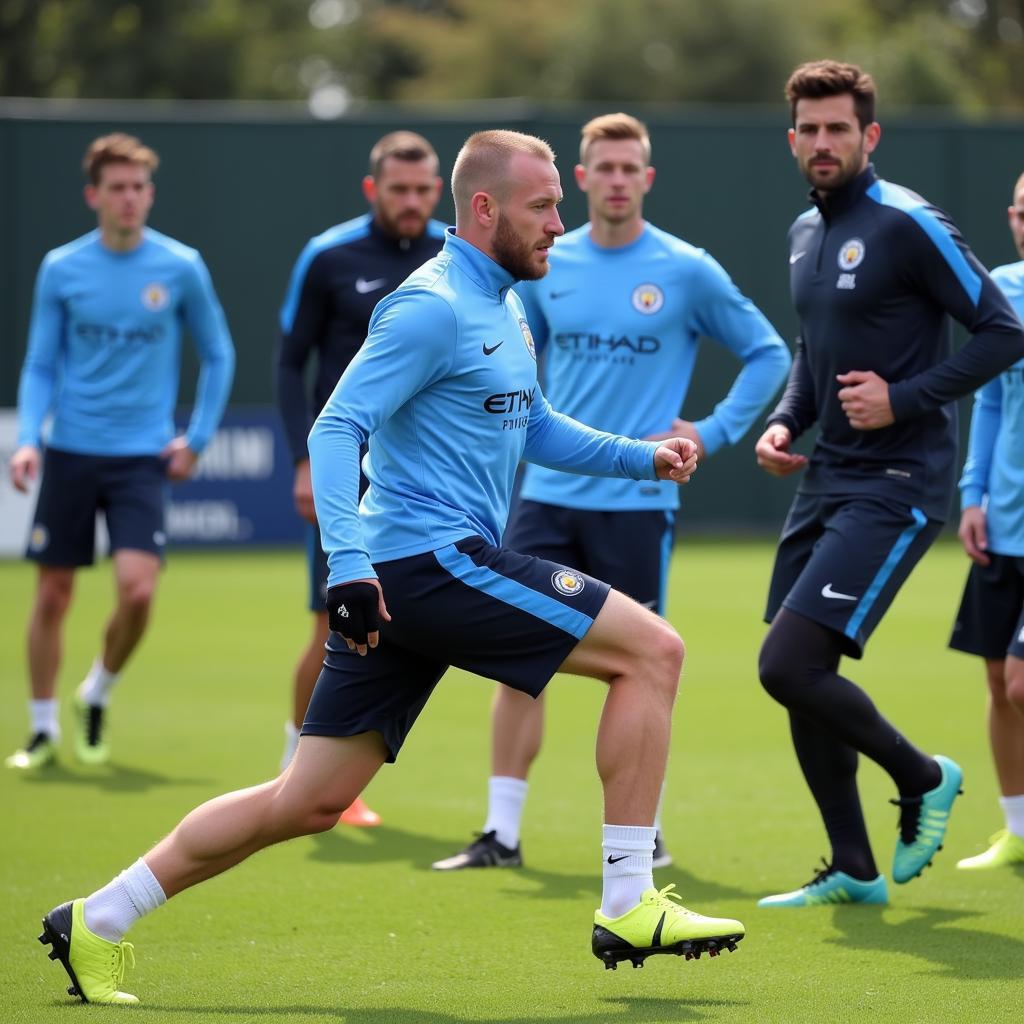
353, 926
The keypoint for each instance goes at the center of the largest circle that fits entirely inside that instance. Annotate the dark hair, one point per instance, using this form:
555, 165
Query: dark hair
401, 146
820, 78
118, 148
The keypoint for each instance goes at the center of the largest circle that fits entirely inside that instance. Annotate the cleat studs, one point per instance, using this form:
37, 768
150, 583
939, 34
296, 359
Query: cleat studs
610, 965
52, 954
43, 939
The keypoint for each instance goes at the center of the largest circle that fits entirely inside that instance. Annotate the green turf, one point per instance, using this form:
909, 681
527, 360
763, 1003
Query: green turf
353, 926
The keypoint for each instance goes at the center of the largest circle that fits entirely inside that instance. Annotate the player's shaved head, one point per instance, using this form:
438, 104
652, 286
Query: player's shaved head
483, 164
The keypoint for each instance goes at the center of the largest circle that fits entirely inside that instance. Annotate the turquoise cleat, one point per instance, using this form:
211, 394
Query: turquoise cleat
923, 822
828, 887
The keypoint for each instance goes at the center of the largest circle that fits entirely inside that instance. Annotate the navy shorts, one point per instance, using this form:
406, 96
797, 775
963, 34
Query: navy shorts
628, 550
488, 610
130, 490
990, 622
842, 560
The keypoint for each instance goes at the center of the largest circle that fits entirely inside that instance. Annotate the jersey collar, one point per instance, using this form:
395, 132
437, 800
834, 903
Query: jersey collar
491, 276
843, 198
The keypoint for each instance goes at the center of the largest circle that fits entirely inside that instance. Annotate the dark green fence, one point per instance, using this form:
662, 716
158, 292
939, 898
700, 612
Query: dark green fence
248, 187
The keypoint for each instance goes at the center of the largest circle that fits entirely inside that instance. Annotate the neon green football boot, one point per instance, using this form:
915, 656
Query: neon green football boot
40, 751
90, 746
94, 965
659, 925
1006, 849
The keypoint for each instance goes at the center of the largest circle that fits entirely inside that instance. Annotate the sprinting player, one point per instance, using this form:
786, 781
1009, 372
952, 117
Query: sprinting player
620, 316
445, 391
103, 359
876, 272
337, 280
990, 622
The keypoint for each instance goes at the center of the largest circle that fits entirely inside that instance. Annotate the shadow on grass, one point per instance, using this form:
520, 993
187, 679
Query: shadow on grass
111, 778
386, 844
931, 935
634, 1009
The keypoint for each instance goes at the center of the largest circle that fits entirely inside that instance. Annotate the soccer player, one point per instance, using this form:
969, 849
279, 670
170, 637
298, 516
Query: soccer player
339, 277
445, 391
103, 359
620, 317
875, 273
990, 622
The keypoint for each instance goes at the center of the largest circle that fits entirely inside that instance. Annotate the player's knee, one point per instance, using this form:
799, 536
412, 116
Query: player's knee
775, 670
665, 651
1014, 690
53, 598
136, 596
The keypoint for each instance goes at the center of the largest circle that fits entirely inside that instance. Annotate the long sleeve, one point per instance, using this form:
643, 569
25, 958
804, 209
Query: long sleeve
797, 408
208, 326
39, 373
985, 420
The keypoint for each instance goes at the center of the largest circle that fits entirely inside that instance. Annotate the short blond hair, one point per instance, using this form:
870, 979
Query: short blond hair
614, 126
1018, 186
482, 163
117, 148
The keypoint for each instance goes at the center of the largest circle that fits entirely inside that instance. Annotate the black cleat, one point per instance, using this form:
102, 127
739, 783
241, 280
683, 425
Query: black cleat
484, 852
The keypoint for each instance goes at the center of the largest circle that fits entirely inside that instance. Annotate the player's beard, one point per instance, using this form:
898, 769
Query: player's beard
408, 225
847, 171
514, 253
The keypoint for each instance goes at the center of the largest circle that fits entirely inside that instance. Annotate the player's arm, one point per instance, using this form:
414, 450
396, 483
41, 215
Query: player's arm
302, 320
728, 317
410, 344
39, 373
944, 267
795, 413
209, 329
985, 420
560, 442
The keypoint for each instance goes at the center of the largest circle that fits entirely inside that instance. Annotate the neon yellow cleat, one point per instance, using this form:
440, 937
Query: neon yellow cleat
659, 925
90, 747
39, 751
94, 965
1006, 849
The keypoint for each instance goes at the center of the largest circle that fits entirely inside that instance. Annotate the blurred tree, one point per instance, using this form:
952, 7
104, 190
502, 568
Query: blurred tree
967, 54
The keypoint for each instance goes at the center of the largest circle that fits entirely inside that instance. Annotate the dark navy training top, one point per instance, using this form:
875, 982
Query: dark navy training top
339, 277
876, 272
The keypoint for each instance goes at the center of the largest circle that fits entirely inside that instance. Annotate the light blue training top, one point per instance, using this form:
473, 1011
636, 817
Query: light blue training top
994, 469
104, 347
445, 390
620, 330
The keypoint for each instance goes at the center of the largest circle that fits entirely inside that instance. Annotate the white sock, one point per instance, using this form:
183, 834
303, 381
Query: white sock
44, 718
96, 686
505, 799
626, 854
112, 910
1013, 808
291, 741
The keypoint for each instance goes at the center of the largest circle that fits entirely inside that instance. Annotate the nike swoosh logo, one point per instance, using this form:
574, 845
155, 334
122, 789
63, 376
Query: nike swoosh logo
827, 591
794, 256
562, 295
615, 860
492, 348
363, 286
656, 940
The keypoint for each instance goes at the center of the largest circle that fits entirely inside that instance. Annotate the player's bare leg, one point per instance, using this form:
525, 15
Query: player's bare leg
54, 589
640, 656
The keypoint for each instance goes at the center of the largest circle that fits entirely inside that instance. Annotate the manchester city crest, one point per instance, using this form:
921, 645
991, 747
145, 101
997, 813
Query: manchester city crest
568, 582
528, 337
851, 254
648, 298
155, 297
